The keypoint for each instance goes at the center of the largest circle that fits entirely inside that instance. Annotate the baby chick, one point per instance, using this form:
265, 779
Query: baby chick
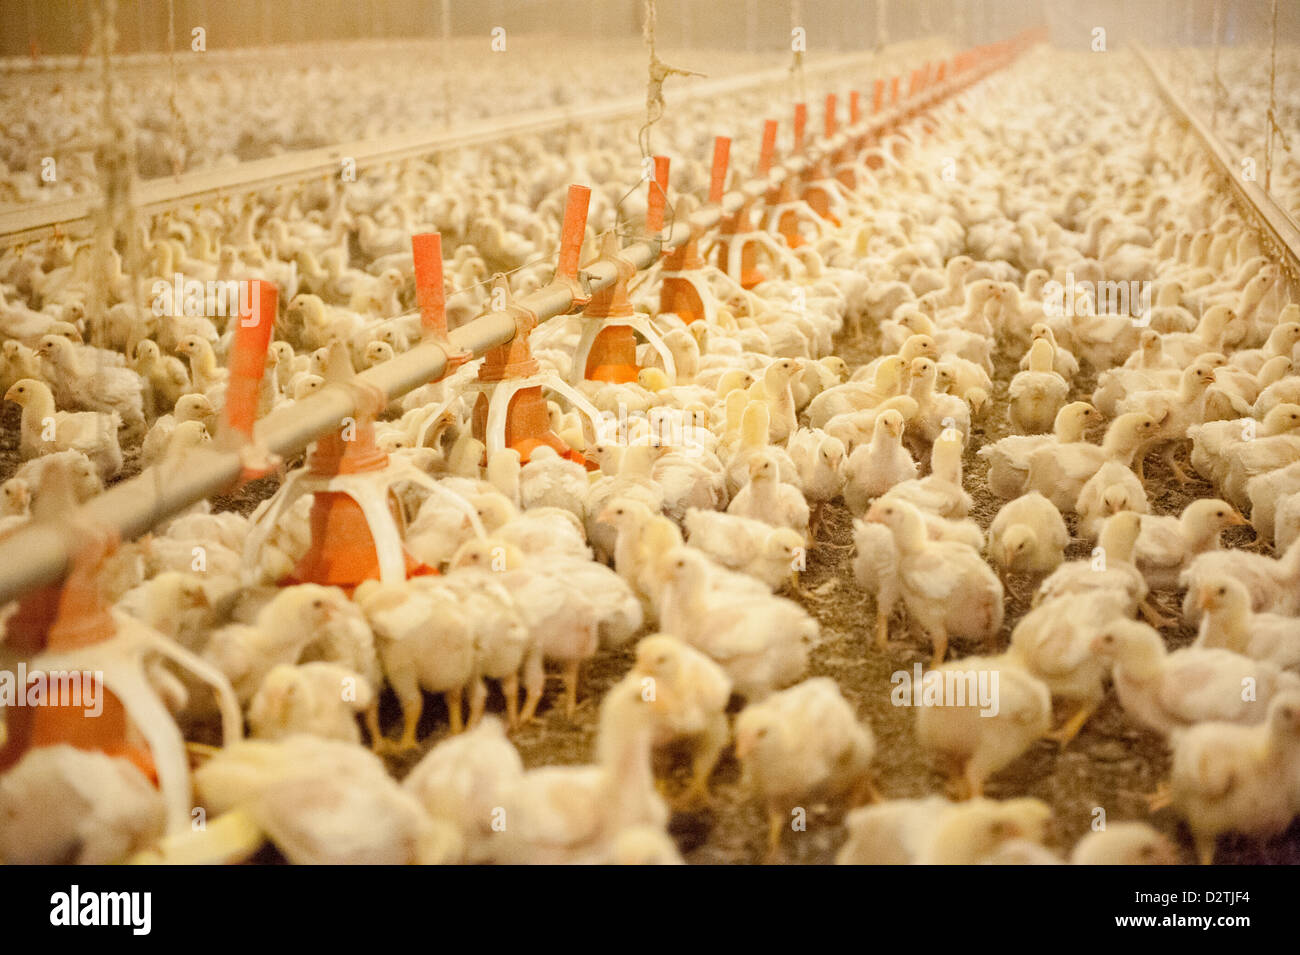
1232, 778
767, 498
319, 698
1038, 393
973, 738
804, 743
464, 779
947, 588
1028, 536
934, 831
875, 467
1167, 691
692, 693
1166, 545
1229, 622
1124, 843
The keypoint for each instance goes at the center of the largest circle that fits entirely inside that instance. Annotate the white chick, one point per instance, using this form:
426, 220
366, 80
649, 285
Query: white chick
819, 458
875, 467
426, 644
691, 693
1028, 536
1109, 568
320, 801
465, 779
284, 629
940, 492
761, 641
505, 648
1060, 472
60, 805
769, 554
1008, 458
1054, 643
319, 698
1232, 778
574, 814
1038, 394
45, 429
548, 480
976, 726
804, 743
875, 568
935, 831
1112, 489
1124, 843
1227, 621
767, 498
947, 589
1167, 691
1274, 585
1166, 545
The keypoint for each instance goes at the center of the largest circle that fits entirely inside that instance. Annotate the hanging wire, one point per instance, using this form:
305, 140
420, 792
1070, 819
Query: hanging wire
171, 95
796, 61
1219, 89
658, 71
1273, 126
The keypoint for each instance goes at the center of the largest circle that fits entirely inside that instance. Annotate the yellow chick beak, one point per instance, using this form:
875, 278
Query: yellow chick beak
1205, 599
12, 394
1238, 520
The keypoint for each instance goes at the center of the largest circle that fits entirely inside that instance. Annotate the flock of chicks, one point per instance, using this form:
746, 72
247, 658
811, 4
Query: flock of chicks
1241, 121
226, 107
708, 501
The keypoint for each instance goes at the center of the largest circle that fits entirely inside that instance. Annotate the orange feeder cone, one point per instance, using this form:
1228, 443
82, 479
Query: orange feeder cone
511, 373
679, 294
343, 551
82, 619
612, 356
732, 230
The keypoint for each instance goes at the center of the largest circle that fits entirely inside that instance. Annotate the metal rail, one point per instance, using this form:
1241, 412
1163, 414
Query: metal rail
35, 554
1278, 229
72, 217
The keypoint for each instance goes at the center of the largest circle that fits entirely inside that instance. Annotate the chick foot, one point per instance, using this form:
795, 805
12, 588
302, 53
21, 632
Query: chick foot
571, 673
1205, 850
1159, 799
775, 826
372, 728
1154, 617
1070, 729
510, 688
408, 741
883, 643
